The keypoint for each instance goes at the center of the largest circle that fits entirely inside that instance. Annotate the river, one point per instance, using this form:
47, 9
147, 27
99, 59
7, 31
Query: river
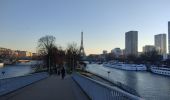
16, 70
148, 85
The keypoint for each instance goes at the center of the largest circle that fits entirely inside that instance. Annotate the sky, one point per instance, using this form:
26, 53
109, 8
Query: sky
104, 22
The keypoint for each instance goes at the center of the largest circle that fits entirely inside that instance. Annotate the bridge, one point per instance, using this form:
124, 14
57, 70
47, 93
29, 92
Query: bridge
23, 61
51, 88
73, 87
149, 86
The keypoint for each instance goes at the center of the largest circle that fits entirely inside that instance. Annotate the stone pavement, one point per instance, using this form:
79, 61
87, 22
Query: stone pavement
52, 88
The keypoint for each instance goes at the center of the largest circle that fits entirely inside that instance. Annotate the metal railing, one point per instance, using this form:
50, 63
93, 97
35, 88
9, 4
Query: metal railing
100, 91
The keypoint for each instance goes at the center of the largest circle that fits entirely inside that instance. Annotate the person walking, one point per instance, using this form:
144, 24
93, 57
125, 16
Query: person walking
62, 73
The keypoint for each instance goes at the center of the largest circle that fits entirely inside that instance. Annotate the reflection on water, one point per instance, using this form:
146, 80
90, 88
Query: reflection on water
149, 86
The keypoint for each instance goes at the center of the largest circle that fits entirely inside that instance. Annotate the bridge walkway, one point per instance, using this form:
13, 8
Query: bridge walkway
52, 88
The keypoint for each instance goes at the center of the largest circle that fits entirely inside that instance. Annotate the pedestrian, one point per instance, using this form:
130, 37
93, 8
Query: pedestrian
62, 73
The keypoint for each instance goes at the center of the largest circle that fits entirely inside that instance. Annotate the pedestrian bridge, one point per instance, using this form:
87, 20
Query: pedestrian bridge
54, 88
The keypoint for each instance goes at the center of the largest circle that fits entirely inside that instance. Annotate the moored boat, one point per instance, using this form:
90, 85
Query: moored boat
130, 67
160, 70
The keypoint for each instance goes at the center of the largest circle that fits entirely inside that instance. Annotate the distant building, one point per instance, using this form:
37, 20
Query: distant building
117, 52
24, 54
104, 52
131, 43
169, 36
34, 54
28, 54
160, 43
4, 52
123, 52
149, 48
140, 53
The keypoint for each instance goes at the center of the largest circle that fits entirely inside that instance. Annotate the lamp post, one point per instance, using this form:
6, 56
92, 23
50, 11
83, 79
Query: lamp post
1, 89
73, 64
108, 72
49, 65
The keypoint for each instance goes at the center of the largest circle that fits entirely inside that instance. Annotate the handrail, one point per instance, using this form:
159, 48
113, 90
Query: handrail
97, 90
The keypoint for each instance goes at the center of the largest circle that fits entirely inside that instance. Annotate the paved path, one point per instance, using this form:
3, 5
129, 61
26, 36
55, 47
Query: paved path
52, 88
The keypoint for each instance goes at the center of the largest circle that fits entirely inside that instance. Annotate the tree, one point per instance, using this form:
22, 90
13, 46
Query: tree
110, 56
47, 48
131, 58
72, 56
152, 57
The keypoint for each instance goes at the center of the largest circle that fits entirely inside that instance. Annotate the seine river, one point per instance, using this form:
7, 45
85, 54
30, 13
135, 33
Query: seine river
16, 70
148, 85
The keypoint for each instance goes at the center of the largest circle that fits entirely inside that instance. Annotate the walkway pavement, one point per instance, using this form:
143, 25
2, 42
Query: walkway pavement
52, 88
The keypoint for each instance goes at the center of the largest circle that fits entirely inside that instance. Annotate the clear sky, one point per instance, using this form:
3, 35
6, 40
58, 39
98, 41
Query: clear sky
104, 22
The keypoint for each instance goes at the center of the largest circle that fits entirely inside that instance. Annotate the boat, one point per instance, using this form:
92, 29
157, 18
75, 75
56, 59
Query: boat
162, 70
130, 67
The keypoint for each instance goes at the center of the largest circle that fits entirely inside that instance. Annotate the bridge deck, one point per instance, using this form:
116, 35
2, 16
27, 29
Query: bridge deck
52, 88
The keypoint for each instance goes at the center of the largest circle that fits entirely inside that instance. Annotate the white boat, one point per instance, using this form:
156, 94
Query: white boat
161, 70
1, 65
131, 67
141, 67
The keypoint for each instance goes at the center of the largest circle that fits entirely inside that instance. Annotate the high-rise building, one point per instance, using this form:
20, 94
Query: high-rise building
169, 36
131, 43
160, 43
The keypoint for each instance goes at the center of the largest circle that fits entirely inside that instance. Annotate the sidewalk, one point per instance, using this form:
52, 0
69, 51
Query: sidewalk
52, 88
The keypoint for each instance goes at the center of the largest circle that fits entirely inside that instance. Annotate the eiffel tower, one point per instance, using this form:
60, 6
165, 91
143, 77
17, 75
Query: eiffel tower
82, 53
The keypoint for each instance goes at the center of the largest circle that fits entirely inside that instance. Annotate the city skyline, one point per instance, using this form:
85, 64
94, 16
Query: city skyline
104, 23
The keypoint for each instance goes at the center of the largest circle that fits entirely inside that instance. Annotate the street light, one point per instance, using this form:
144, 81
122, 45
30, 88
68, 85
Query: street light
1, 89
108, 72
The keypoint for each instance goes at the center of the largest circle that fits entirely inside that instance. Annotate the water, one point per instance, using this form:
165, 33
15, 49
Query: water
15, 70
148, 85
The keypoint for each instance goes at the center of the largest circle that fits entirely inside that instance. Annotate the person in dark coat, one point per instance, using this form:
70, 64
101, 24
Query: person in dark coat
62, 72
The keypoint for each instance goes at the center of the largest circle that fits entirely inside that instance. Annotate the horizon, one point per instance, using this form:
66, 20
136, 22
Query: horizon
103, 23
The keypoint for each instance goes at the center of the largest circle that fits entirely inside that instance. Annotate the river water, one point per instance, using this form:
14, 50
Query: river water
16, 70
148, 85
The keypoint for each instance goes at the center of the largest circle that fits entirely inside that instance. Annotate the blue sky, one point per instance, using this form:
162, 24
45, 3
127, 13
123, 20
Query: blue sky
104, 22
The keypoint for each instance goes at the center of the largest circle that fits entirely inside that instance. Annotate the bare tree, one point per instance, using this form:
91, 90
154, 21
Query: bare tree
152, 57
72, 56
46, 48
